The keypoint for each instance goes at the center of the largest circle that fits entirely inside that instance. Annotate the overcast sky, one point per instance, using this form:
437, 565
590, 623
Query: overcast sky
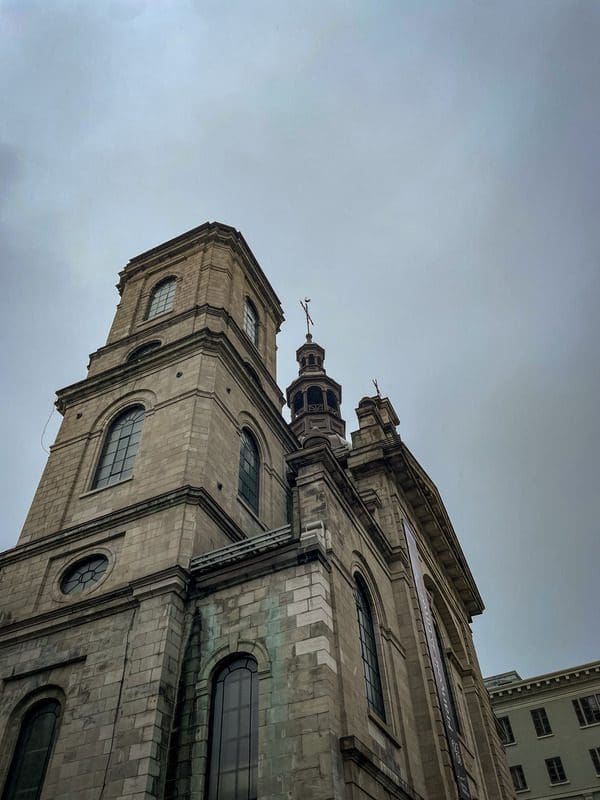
427, 172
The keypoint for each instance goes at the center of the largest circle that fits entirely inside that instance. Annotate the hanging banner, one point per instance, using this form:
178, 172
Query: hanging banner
439, 674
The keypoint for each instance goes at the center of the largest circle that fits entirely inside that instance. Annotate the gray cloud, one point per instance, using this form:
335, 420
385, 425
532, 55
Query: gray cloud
428, 173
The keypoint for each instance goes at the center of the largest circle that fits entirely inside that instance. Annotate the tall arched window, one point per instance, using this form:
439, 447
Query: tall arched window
368, 649
32, 753
251, 321
233, 758
120, 448
162, 297
249, 470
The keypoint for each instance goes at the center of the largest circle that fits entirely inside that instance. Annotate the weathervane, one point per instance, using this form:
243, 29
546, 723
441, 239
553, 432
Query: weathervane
309, 321
376, 385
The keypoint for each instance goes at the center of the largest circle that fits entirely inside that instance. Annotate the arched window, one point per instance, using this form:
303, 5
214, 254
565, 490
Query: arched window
233, 758
120, 448
251, 321
368, 649
162, 297
449, 681
298, 402
314, 398
32, 753
331, 400
249, 469
143, 350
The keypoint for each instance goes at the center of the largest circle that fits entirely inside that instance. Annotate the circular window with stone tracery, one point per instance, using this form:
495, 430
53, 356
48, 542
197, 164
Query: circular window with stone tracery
84, 574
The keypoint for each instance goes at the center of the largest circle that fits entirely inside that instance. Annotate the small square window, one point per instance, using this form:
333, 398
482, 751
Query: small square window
556, 770
541, 723
518, 778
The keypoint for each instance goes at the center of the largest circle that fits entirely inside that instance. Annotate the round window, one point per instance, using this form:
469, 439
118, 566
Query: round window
83, 574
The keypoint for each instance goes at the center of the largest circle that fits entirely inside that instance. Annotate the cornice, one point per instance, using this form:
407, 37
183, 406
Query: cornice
193, 495
393, 455
544, 683
208, 232
209, 341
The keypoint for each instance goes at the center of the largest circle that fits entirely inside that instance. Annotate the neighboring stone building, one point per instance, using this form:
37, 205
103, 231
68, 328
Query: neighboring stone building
550, 727
208, 602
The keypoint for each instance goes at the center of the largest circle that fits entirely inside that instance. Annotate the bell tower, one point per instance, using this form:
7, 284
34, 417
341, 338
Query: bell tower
314, 398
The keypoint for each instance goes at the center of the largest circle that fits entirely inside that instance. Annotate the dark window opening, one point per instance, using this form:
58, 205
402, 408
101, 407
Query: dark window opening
332, 400
251, 321
249, 470
314, 398
518, 778
298, 402
587, 709
32, 753
368, 650
233, 758
506, 732
541, 723
556, 771
311, 360
253, 374
143, 350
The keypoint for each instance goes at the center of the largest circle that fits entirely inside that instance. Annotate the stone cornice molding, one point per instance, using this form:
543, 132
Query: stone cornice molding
394, 457
207, 233
192, 495
548, 682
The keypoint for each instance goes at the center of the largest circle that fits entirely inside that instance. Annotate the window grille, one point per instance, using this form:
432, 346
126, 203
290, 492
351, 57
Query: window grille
368, 649
249, 470
233, 759
556, 770
251, 322
518, 778
541, 723
162, 298
120, 448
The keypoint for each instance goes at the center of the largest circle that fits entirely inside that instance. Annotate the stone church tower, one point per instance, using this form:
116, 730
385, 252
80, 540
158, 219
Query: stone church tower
209, 603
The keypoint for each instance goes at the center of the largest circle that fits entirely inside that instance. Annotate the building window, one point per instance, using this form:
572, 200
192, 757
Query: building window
143, 350
162, 298
32, 753
314, 398
368, 650
555, 769
233, 758
587, 709
332, 400
449, 682
506, 732
249, 470
595, 756
541, 723
251, 322
83, 574
298, 402
518, 778
120, 448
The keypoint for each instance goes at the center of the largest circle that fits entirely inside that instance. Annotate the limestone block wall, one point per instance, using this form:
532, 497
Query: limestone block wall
114, 672
284, 620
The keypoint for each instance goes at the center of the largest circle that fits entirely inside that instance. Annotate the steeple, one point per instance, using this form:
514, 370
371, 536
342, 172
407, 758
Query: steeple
314, 398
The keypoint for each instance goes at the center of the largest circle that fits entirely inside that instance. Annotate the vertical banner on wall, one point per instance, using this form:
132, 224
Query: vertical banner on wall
441, 682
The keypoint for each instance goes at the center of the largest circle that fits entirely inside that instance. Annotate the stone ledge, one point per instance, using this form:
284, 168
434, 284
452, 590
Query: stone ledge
355, 751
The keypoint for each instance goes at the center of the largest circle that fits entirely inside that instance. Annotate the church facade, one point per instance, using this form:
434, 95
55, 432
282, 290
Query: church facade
208, 602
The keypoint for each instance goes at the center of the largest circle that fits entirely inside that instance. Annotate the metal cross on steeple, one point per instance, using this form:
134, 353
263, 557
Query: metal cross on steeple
309, 321
376, 385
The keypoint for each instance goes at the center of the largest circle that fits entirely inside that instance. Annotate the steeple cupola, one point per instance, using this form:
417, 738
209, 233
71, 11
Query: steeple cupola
314, 398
